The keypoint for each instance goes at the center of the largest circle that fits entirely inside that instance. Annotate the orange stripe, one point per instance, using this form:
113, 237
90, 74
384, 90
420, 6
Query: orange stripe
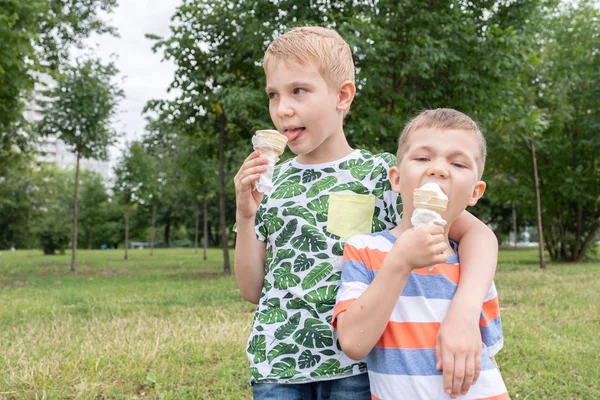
409, 335
373, 397
451, 271
491, 311
371, 258
503, 396
340, 307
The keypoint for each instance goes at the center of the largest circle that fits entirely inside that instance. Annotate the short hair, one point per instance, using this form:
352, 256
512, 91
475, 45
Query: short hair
314, 44
445, 119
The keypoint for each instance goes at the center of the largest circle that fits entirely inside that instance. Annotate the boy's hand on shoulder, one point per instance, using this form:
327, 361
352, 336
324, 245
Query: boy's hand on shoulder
246, 198
419, 248
458, 354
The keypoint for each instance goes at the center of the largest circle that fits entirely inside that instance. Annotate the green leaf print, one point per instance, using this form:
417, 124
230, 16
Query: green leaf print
389, 159
328, 368
268, 257
302, 263
321, 185
327, 352
316, 275
310, 175
255, 373
288, 296
282, 349
308, 359
280, 178
258, 348
355, 187
361, 171
322, 256
284, 278
267, 286
323, 297
351, 163
290, 188
378, 225
311, 240
338, 249
286, 368
378, 173
320, 206
329, 170
283, 254
379, 190
273, 224
272, 316
300, 212
287, 233
288, 328
315, 334
299, 304
288, 204
335, 277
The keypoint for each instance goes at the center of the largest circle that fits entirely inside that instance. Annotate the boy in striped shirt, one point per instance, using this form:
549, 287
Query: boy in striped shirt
390, 305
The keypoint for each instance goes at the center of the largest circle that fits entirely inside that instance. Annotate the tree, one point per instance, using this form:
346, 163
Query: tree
35, 37
79, 111
93, 196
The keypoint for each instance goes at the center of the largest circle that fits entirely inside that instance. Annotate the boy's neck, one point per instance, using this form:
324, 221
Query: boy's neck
335, 147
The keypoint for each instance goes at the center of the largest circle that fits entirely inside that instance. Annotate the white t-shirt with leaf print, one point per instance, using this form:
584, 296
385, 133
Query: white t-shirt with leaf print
292, 340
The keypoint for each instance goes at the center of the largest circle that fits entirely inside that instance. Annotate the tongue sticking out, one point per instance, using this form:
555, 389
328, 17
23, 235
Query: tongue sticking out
292, 134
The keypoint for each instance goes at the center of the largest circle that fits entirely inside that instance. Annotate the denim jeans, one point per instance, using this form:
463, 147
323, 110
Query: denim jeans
354, 387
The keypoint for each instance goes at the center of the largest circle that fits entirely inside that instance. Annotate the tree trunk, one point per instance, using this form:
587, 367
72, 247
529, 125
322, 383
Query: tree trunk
514, 218
90, 238
538, 205
153, 228
205, 225
196, 226
167, 229
222, 221
126, 233
74, 253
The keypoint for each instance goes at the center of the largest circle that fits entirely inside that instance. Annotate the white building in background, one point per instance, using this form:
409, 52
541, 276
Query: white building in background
52, 150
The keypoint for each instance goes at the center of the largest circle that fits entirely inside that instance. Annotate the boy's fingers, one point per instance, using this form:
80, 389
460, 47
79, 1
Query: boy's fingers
469, 372
438, 354
459, 375
447, 370
477, 367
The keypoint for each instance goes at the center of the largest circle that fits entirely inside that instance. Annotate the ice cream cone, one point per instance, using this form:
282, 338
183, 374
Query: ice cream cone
273, 139
431, 197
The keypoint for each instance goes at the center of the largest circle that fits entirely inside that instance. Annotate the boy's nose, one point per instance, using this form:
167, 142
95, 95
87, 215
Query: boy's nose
438, 169
284, 109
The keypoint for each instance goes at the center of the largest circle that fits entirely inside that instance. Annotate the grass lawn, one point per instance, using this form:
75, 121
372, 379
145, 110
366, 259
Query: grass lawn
171, 326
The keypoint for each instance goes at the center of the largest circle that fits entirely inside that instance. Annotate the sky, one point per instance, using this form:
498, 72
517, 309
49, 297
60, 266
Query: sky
142, 74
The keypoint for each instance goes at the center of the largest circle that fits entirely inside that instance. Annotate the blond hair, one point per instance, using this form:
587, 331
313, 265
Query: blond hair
444, 119
313, 44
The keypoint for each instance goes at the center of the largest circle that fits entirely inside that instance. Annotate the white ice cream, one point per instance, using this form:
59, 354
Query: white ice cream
424, 216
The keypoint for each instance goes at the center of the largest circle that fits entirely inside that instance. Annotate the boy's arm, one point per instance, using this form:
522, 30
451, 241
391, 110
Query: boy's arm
361, 325
249, 260
458, 346
250, 253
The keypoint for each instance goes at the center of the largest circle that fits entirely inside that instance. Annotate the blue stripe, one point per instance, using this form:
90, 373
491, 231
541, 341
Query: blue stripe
355, 271
430, 286
492, 333
420, 362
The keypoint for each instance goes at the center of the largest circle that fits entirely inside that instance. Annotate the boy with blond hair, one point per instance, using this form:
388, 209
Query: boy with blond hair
390, 305
290, 242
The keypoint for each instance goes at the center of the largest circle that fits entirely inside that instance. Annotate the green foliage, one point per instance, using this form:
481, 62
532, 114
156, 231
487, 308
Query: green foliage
35, 36
80, 108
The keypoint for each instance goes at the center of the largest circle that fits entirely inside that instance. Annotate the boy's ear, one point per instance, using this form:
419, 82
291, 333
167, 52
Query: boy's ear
346, 96
477, 192
394, 177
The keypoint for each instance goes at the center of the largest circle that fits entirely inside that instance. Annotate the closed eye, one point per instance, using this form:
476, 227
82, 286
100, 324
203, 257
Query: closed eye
421, 159
459, 165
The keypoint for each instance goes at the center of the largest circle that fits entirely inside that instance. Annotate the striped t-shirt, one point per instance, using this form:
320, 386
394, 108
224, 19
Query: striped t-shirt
402, 363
